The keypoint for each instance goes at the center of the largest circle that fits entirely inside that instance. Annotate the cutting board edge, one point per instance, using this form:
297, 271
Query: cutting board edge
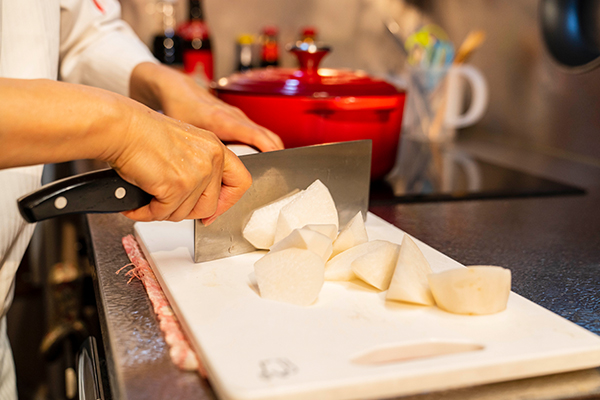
408, 386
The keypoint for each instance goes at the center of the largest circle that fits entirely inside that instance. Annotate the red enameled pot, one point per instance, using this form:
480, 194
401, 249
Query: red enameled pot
314, 105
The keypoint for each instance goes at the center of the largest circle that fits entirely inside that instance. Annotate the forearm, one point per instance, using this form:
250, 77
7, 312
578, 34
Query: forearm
178, 96
44, 122
154, 84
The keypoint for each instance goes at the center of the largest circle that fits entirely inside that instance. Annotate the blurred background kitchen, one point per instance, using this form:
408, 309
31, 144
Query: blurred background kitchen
536, 112
533, 105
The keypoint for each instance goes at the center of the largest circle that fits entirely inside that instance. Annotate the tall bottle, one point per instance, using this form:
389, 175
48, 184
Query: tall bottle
167, 45
197, 49
245, 57
269, 53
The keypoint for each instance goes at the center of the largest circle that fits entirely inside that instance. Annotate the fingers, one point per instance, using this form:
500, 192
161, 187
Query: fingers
269, 141
214, 192
229, 123
251, 133
263, 139
236, 181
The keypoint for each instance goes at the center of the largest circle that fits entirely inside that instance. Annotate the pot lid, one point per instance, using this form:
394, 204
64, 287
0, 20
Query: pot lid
309, 80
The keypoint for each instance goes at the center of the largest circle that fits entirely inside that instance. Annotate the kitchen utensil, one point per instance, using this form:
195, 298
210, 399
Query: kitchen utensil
433, 109
395, 30
92, 192
313, 105
429, 47
471, 43
571, 32
455, 93
350, 344
343, 167
89, 375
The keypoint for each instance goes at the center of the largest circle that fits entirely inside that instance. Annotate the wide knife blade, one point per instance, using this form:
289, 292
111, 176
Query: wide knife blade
344, 168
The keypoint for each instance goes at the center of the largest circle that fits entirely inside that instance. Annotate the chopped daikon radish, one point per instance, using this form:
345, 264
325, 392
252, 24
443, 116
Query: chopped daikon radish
409, 282
475, 290
328, 230
260, 229
353, 234
313, 206
339, 268
306, 239
377, 267
291, 275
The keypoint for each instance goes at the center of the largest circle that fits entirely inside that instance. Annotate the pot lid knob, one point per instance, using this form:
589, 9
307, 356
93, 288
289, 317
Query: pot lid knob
309, 55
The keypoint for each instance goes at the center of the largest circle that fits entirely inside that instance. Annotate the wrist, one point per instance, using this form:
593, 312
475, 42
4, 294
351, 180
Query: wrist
110, 130
152, 84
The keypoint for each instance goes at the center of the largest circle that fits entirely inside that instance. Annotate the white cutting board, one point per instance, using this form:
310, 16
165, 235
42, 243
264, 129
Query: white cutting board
262, 349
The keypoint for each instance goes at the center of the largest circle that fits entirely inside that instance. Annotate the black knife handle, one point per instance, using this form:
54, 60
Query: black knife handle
102, 191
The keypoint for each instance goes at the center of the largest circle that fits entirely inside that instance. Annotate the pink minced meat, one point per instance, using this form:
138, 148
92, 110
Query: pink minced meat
179, 348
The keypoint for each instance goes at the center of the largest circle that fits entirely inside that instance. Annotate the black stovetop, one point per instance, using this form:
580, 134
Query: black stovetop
427, 172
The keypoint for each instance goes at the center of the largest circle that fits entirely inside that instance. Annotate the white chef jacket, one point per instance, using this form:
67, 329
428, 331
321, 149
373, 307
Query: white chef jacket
78, 41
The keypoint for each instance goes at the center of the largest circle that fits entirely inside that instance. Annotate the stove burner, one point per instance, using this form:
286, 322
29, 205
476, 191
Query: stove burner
429, 172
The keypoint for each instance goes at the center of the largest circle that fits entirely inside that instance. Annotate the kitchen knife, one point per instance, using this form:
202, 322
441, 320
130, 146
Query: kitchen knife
343, 167
102, 191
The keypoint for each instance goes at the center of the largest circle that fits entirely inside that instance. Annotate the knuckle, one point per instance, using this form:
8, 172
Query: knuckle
247, 181
204, 208
175, 217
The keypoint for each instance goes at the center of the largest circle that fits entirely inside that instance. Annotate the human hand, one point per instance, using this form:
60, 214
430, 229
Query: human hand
179, 97
190, 173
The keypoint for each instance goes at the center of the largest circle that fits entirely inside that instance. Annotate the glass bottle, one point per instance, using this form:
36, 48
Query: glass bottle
245, 53
167, 46
269, 54
197, 49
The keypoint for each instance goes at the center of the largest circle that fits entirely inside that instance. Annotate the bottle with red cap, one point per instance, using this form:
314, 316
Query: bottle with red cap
197, 49
269, 54
308, 34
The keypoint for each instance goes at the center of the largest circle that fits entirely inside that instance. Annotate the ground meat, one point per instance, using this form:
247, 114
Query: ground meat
179, 349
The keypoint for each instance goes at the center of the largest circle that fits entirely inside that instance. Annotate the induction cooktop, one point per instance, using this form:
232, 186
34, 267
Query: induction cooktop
428, 172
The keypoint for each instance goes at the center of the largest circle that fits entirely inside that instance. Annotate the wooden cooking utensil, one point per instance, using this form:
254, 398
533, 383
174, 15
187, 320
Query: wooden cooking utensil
471, 43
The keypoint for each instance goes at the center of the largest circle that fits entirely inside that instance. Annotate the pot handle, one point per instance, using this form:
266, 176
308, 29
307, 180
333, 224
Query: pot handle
351, 103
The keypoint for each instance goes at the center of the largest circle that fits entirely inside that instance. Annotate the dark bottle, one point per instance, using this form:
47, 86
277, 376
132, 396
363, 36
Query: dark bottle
245, 53
269, 53
168, 46
197, 50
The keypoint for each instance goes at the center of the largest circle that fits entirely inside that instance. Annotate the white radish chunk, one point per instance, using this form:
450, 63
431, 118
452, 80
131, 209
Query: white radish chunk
328, 230
377, 267
260, 229
291, 276
339, 268
476, 290
353, 234
306, 239
313, 206
409, 282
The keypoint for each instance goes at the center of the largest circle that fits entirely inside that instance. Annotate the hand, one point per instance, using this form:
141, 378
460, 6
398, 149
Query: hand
181, 98
190, 173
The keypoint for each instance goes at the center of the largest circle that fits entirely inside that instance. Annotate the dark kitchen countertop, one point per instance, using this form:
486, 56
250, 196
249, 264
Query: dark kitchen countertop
551, 245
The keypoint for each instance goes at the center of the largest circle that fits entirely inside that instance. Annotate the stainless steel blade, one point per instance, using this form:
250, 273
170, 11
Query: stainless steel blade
345, 168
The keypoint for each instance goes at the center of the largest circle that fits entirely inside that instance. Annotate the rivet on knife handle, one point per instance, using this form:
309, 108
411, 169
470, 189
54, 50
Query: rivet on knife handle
102, 191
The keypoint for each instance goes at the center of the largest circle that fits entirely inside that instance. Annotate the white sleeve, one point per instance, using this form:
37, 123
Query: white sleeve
97, 48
